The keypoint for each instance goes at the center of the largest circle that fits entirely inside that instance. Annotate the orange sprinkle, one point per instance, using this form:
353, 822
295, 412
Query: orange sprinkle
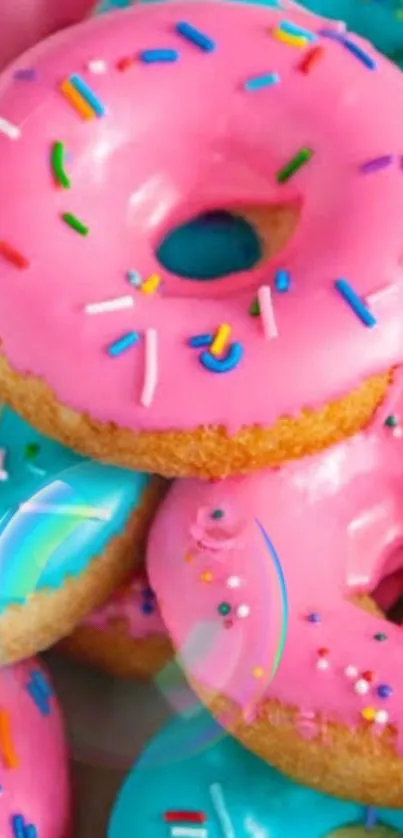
311, 59
76, 100
258, 672
368, 713
12, 255
206, 576
10, 759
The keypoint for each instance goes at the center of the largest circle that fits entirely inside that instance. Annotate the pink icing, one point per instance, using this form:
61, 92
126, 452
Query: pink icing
135, 605
336, 523
178, 139
37, 789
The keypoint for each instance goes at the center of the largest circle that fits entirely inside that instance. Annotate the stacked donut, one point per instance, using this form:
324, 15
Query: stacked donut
268, 386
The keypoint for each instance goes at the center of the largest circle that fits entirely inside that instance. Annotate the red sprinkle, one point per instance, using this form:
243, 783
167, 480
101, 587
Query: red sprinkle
124, 64
368, 676
12, 255
323, 652
310, 59
184, 817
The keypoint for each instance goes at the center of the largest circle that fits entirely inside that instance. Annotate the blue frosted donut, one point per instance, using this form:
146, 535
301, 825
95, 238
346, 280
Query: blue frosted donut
70, 530
196, 782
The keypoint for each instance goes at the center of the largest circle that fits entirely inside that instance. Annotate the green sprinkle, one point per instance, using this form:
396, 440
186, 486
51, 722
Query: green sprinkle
217, 513
391, 421
75, 223
302, 157
254, 308
224, 608
31, 450
380, 636
57, 160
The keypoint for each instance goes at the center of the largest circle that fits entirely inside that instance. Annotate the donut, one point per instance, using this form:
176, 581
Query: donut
282, 592
34, 775
70, 531
214, 788
126, 636
299, 135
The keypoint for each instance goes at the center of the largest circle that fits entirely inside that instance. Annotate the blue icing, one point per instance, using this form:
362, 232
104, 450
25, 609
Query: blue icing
58, 510
259, 801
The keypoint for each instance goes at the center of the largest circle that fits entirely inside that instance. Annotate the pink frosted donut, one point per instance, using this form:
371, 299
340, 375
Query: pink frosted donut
330, 528
138, 122
34, 776
126, 637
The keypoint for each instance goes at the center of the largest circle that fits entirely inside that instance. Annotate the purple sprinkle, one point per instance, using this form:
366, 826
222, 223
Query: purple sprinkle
313, 618
29, 74
376, 164
370, 817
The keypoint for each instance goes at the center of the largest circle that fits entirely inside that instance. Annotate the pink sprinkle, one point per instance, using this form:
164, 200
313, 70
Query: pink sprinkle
151, 367
267, 312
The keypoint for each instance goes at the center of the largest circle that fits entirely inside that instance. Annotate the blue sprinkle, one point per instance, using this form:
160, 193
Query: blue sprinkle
370, 817
39, 699
200, 340
225, 364
31, 831
349, 295
359, 53
313, 618
195, 37
293, 29
21, 829
82, 87
262, 81
147, 607
282, 280
134, 278
153, 56
41, 683
123, 343
384, 690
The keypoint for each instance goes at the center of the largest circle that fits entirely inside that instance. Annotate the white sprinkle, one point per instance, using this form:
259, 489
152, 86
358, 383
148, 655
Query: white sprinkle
397, 432
188, 832
115, 304
381, 717
233, 582
243, 611
381, 297
10, 130
97, 66
220, 808
4, 475
150, 367
322, 663
267, 312
361, 686
351, 671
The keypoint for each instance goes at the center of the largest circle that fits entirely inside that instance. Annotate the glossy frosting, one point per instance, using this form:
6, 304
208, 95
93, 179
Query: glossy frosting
135, 605
58, 511
34, 774
336, 523
257, 801
158, 157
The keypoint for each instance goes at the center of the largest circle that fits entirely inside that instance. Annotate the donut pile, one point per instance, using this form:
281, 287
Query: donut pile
206, 463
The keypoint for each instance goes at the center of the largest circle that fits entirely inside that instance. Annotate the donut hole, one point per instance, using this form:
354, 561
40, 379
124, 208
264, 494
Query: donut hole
223, 241
378, 830
388, 596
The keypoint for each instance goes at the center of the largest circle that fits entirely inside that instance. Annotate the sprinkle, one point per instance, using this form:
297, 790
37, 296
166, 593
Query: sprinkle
206, 576
9, 129
323, 652
370, 818
254, 308
353, 300
21, 829
150, 285
97, 66
314, 617
351, 671
243, 611
57, 161
154, 56
311, 58
267, 80
7, 751
258, 672
134, 278
14, 256
322, 663
267, 312
27, 74
233, 582
384, 690
38, 697
225, 364
300, 159
221, 339
359, 53
368, 713
380, 636
377, 163
199, 39
298, 31
290, 40
397, 432
188, 832
368, 675
88, 95
361, 687
121, 344
147, 608
151, 367
221, 809
41, 683
76, 101
75, 223
115, 304
217, 514
282, 280
224, 608
183, 815
124, 64
381, 717
200, 340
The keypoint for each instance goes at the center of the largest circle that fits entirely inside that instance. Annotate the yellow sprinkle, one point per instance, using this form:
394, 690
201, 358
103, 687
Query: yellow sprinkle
76, 100
150, 285
258, 672
206, 576
221, 339
291, 40
368, 713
